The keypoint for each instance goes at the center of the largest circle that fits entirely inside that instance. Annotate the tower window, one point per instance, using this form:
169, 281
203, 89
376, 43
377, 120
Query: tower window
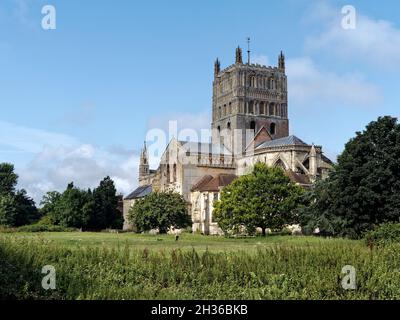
219, 129
271, 109
261, 108
174, 173
272, 128
229, 125
251, 107
253, 126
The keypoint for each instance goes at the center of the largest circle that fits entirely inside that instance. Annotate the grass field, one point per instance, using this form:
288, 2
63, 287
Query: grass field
186, 241
129, 266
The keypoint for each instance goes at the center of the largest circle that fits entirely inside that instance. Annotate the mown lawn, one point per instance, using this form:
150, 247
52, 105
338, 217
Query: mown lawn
129, 266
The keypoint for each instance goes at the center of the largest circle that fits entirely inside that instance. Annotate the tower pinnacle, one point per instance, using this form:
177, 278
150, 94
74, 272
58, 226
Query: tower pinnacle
281, 61
144, 162
239, 59
217, 67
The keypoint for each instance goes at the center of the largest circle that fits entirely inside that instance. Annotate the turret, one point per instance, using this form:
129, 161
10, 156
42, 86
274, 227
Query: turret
281, 61
144, 162
313, 162
217, 67
239, 59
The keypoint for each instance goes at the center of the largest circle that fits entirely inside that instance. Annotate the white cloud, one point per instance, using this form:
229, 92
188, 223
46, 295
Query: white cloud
58, 159
376, 42
309, 84
85, 165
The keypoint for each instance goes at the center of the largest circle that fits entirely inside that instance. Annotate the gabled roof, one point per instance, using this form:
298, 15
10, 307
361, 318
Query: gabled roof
139, 192
215, 183
205, 179
298, 178
286, 141
260, 137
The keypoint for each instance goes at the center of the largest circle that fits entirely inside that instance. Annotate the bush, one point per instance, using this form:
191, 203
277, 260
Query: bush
384, 234
40, 227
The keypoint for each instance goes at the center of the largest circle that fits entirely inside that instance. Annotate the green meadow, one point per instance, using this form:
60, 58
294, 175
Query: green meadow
131, 266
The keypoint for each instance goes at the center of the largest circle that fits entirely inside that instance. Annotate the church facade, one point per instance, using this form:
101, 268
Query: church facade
249, 124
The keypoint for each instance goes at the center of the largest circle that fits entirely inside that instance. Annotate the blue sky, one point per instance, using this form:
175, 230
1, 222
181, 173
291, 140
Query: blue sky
76, 102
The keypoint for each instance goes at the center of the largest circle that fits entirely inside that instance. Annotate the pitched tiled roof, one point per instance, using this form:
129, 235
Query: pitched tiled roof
205, 179
298, 178
215, 183
139, 192
286, 141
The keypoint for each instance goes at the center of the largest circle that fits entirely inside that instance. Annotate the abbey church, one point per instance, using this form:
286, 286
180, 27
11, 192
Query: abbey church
249, 124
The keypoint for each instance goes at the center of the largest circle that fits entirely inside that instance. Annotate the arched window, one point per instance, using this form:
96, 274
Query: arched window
271, 109
253, 81
219, 112
174, 174
280, 164
219, 129
278, 109
228, 126
168, 174
261, 107
251, 107
253, 126
272, 128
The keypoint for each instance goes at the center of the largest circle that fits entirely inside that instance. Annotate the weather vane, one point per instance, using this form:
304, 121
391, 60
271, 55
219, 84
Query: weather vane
248, 50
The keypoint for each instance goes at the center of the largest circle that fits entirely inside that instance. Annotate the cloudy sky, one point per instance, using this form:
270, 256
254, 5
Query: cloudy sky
77, 102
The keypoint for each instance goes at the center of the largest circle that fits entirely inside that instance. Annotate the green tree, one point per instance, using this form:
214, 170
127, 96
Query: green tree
49, 203
265, 198
16, 208
8, 210
160, 210
364, 189
105, 213
74, 208
8, 178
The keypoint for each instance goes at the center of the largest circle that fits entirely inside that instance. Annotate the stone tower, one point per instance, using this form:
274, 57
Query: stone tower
247, 97
144, 168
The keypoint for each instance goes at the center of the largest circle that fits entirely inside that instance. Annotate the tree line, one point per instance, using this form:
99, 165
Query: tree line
95, 209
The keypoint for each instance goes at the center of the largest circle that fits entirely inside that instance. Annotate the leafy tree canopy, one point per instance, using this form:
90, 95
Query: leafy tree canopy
16, 208
160, 210
265, 198
364, 189
8, 178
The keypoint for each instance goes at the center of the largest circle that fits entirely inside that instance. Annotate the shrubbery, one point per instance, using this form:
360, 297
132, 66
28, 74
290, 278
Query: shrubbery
384, 234
37, 227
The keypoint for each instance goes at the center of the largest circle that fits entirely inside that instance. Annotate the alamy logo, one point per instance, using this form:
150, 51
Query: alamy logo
349, 280
349, 20
49, 280
49, 20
